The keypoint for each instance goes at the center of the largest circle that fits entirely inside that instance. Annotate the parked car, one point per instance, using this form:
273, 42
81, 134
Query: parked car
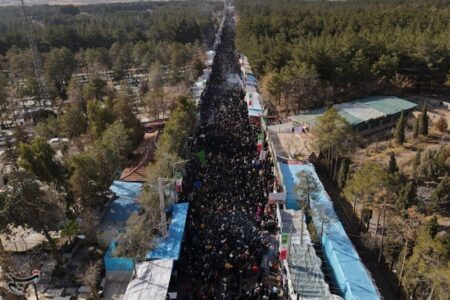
57, 142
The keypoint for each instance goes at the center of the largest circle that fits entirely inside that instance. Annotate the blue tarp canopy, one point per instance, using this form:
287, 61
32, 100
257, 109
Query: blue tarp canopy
126, 203
250, 77
169, 247
351, 276
255, 112
116, 263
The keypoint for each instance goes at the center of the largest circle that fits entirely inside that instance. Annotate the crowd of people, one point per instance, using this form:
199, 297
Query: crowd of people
230, 251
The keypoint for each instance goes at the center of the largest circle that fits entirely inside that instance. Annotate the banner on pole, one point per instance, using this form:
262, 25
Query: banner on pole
263, 155
202, 157
283, 254
178, 182
260, 138
284, 239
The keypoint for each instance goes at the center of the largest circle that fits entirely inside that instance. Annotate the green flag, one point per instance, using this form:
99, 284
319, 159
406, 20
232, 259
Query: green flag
202, 157
284, 239
260, 138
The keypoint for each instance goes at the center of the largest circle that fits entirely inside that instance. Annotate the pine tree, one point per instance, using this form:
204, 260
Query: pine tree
400, 130
406, 197
433, 226
11, 155
307, 188
428, 167
423, 128
393, 168
417, 159
343, 173
416, 126
441, 194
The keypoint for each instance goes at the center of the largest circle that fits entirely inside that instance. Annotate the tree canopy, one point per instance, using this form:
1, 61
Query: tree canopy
344, 49
38, 158
25, 203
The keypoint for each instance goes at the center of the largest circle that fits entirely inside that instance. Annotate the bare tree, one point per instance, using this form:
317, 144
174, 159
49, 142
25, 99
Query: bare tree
89, 277
88, 225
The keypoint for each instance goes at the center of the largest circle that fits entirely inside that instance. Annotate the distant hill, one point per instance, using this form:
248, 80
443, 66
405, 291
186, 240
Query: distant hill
74, 2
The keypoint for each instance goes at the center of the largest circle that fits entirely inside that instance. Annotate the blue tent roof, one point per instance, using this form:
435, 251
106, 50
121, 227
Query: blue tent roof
255, 112
126, 204
250, 77
349, 272
169, 247
116, 263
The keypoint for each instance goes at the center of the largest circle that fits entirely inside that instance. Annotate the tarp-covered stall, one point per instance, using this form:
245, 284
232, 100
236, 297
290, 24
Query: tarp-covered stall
117, 268
255, 109
120, 209
169, 246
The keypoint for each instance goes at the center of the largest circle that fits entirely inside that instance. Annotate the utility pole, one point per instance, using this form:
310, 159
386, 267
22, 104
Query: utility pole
162, 207
37, 63
302, 220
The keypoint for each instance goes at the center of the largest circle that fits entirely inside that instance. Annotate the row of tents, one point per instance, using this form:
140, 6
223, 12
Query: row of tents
252, 97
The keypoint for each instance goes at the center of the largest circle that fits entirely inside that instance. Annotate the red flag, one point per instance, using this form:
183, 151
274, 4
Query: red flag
283, 254
179, 185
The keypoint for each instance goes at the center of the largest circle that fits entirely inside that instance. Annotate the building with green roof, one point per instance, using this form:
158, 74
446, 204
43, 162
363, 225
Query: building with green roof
365, 115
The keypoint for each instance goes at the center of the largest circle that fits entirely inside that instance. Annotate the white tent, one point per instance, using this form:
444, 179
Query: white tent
152, 280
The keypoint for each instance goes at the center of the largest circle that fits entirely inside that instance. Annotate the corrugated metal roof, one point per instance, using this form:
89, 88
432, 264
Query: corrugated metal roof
388, 105
151, 282
355, 112
308, 117
351, 119
361, 110
304, 265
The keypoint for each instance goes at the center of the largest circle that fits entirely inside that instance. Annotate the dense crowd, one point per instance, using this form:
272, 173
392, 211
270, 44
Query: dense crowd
229, 251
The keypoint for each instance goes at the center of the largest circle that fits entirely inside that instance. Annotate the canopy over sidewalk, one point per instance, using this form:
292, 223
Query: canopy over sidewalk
349, 272
169, 247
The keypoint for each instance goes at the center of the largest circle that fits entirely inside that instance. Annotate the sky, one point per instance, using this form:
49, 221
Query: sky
59, 2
